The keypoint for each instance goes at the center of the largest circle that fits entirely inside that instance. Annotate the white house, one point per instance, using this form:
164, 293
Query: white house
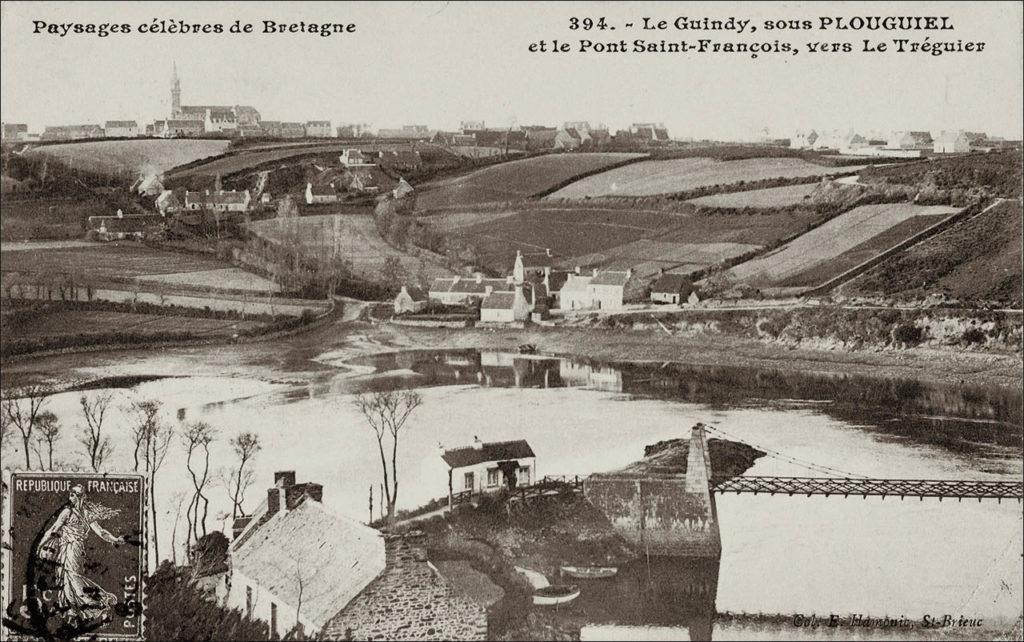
121, 129
220, 120
802, 140
353, 157
910, 140
482, 467
318, 194
952, 143
318, 128
218, 201
458, 290
505, 307
410, 299
575, 293
671, 288
607, 289
296, 561
150, 186
852, 144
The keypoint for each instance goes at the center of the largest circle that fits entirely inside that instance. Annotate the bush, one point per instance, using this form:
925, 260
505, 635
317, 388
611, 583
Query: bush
972, 336
907, 334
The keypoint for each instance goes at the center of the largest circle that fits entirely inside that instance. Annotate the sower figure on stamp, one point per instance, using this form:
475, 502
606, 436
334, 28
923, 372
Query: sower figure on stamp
63, 544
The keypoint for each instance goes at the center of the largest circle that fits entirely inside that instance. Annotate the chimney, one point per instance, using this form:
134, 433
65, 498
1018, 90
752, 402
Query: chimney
477, 444
298, 493
275, 500
284, 478
629, 273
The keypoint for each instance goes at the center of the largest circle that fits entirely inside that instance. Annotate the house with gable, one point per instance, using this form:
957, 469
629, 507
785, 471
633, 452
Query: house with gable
297, 562
489, 467
952, 143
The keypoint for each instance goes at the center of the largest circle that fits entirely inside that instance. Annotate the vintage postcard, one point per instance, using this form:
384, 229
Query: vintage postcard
526, 320
74, 555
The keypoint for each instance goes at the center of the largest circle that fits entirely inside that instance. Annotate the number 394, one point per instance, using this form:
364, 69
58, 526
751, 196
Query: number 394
587, 23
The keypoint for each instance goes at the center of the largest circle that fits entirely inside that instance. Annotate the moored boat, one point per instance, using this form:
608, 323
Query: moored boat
589, 572
556, 594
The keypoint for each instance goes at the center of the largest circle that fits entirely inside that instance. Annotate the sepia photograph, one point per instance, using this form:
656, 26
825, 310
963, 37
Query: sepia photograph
533, 320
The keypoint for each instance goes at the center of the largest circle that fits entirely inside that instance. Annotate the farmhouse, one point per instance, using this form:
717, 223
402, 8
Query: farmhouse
319, 194
218, 201
354, 130
802, 140
505, 307
910, 140
404, 160
120, 227
291, 130
852, 143
457, 290
410, 299
603, 290
168, 202
296, 561
176, 128
318, 128
354, 158
671, 288
952, 143
121, 128
489, 467
72, 132
15, 131
649, 132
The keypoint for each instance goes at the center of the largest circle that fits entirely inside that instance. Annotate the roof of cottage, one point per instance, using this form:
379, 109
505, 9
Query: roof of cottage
492, 451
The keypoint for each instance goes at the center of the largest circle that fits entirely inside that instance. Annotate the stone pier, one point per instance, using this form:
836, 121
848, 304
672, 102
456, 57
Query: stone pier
663, 514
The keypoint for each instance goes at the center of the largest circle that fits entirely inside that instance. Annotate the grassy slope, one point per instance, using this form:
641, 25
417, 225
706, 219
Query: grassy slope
979, 259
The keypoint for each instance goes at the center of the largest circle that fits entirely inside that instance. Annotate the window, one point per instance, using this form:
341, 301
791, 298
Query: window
492, 477
524, 475
467, 481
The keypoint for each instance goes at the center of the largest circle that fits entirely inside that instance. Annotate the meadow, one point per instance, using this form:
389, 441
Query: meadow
514, 180
133, 157
352, 237
655, 177
818, 248
759, 198
116, 260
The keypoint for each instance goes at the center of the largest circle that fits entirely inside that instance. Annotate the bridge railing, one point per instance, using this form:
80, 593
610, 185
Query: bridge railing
864, 487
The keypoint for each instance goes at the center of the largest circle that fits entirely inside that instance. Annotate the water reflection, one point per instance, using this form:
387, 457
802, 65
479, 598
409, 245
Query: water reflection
959, 418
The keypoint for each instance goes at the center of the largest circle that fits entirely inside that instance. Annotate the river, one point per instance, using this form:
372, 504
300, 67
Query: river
781, 555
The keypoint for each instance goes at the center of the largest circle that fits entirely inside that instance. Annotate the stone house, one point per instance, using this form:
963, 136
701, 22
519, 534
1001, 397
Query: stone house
458, 290
120, 227
220, 120
803, 140
481, 468
910, 140
320, 194
505, 307
295, 561
410, 299
353, 157
952, 143
671, 288
218, 201
318, 128
121, 129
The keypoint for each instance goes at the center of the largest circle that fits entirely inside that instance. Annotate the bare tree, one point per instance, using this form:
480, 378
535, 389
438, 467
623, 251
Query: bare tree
21, 409
387, 412
237, 480
98, 447
153, 437
47, 433
197, 439
177, 499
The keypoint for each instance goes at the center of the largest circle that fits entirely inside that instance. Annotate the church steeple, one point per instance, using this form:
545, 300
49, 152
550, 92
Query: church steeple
175, 91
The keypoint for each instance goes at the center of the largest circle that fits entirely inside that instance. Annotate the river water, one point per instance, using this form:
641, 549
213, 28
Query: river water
781, 555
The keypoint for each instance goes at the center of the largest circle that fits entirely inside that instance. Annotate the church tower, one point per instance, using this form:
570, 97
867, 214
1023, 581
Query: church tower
175, 92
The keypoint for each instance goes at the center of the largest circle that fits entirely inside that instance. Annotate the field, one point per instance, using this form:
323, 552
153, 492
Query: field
237, 279
513, 181
976, 260
249, 158
652, 177
353, 237
105, 261
49, 218
759, 198
59, 322
134, 157
643, 239
819, 247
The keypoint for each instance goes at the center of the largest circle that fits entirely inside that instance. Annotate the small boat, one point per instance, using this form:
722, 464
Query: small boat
589, 572
527, 348
556, 594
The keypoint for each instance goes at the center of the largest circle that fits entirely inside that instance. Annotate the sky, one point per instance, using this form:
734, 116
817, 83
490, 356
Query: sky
438, 63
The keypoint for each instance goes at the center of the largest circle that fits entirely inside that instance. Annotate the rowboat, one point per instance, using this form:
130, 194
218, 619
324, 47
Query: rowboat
556, 594
589, 572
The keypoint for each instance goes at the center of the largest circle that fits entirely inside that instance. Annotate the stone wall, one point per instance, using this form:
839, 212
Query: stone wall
409, 601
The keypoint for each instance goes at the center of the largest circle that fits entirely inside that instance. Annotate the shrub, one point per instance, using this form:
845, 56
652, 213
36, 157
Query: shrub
907, 334
972, 336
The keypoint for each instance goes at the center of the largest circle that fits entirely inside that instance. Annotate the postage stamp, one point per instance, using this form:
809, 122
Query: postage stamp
74, 555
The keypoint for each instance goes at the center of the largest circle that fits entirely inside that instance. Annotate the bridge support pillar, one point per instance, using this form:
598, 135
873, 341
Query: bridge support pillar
663, 514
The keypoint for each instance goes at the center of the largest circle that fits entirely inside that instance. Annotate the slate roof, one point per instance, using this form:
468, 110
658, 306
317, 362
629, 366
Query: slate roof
499, 301
415, 293
671, 283
337, 555
469, 286
493, 451
217, 198
610, 278
120, 123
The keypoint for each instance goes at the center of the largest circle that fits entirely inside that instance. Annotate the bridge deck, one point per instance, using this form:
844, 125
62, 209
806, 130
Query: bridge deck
852, 486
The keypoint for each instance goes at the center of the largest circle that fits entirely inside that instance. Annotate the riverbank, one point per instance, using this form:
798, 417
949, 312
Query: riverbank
320, 353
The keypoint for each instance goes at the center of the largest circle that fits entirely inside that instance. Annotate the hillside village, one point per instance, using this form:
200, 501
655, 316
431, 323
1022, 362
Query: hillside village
306, 237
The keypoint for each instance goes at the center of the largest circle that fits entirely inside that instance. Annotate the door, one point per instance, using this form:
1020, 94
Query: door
467, 481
